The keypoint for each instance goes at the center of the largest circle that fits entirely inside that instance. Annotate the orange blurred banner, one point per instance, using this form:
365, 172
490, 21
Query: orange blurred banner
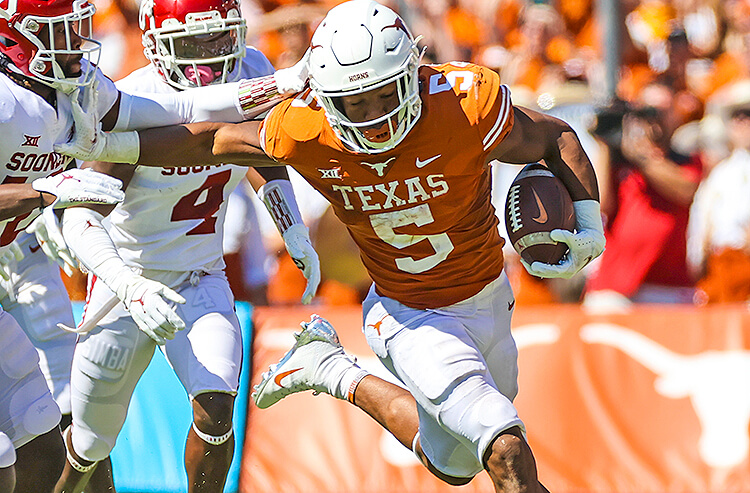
652, 401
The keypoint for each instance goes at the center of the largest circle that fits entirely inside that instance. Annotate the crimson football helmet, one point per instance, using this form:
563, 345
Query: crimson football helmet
27, 39
360, 46
193, 42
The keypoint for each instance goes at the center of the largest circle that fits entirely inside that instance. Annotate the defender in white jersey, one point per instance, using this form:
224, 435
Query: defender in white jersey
47, 72
169, 228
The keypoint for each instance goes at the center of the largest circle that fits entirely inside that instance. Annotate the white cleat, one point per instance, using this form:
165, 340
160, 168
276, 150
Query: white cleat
316, 362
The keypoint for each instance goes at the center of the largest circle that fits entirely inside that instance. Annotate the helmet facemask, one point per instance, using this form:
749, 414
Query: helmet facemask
359, 47
385, 132
205, 49
50, 56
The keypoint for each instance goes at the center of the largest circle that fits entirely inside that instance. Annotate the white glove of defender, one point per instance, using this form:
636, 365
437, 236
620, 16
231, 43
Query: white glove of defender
79, 186
9, 256
46, 228
293, 79
146, 300
584, 245
299, 246
90, 142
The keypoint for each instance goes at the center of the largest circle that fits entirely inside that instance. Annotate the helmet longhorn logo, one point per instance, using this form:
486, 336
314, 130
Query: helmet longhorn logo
397, 24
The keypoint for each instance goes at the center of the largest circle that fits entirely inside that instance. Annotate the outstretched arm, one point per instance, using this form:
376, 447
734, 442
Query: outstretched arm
191, 144
203, 143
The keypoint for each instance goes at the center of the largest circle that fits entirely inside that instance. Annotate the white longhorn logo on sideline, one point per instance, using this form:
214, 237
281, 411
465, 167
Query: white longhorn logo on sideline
716, 382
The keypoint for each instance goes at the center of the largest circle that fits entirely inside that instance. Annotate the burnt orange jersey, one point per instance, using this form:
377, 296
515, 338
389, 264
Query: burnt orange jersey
420, 213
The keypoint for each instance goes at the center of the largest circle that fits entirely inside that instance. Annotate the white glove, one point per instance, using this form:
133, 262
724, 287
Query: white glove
299, 246
78, 186
46, 227
8, 258
146, 300
583, 246
293, 79
90, 142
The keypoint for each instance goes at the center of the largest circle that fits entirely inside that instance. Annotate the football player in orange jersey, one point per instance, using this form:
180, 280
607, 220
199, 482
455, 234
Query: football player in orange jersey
401, 151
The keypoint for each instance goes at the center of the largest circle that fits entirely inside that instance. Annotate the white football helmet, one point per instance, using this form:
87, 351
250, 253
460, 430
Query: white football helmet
360, 46
193, 42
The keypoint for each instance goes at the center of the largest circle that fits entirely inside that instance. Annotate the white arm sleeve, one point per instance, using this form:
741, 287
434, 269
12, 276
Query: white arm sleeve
232, 102
85, 235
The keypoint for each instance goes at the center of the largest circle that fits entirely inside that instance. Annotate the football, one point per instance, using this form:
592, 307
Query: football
537, 204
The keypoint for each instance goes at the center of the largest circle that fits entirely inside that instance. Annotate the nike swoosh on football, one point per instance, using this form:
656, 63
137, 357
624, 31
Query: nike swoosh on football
281, 376
542, 218
422, 164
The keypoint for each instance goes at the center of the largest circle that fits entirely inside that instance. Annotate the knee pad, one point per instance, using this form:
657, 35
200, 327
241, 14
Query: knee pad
42, 303
88, 445
475, 413
18, 357
43, 415
72, 460
7, 451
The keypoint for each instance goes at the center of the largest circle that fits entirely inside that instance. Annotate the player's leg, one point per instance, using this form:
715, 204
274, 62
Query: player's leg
107, 364
207, 357
511, 465
39, 463
508, 459
101, 479
210, 442
28, 414
321, 365
36, 297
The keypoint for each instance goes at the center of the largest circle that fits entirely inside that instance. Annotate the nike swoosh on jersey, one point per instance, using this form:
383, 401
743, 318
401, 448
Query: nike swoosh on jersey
422, 164
542, 218
34, 249
282, 375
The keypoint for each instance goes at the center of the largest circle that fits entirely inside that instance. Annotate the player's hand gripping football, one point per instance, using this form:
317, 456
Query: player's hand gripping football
78, 186
299, 246
147, 302
90, 142
584, 245
46, 228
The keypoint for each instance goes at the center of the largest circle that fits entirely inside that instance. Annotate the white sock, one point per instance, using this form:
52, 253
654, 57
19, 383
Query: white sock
350, 378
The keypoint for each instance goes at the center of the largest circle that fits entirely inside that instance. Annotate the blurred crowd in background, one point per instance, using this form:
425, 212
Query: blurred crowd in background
671, 147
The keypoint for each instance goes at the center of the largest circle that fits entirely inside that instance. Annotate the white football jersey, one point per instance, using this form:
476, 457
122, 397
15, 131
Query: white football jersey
173, 218
29, 129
